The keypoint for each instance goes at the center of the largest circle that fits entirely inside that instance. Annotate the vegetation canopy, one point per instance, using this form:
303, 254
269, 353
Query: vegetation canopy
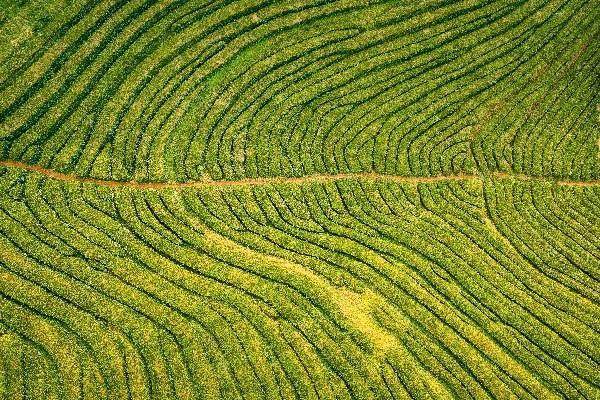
299, 199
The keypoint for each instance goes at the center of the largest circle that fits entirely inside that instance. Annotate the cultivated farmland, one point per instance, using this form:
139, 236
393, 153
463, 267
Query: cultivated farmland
303, 199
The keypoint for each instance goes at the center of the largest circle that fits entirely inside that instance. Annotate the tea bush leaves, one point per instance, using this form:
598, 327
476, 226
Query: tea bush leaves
299, 199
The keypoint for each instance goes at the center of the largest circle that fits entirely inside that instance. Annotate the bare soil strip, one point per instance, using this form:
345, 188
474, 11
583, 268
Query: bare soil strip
564, 182
60, 176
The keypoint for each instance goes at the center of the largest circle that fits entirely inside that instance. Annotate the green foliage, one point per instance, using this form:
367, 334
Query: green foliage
299, 199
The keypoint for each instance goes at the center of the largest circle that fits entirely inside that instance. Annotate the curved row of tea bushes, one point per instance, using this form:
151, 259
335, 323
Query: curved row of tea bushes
180, 90
348, 289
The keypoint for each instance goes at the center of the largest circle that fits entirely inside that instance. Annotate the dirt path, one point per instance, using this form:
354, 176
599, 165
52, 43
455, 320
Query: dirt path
565, 182
277, 180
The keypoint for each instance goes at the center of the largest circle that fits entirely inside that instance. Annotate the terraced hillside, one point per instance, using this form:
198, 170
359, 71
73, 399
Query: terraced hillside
299, 199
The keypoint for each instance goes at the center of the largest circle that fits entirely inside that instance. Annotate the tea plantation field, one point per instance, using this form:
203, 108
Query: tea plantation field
301, 199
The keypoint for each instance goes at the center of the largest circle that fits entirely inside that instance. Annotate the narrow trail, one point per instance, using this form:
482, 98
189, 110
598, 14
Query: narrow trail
60, 176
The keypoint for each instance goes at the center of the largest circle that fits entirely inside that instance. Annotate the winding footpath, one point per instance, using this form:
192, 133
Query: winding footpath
50, 173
